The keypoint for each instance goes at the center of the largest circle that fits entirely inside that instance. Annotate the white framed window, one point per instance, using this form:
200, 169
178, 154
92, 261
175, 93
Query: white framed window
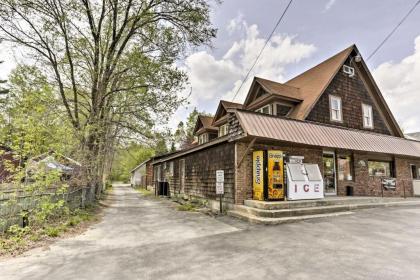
367, 116
336, 112
203, 138
223, 130
280, 109
265, 110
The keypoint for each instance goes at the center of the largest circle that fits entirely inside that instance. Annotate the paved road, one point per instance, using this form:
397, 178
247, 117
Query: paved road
144, 238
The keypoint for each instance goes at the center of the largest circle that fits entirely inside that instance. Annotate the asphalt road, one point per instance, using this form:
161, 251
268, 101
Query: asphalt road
147, 238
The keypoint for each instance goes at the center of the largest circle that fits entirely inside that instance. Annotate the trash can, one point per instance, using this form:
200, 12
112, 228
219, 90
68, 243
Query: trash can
349, 191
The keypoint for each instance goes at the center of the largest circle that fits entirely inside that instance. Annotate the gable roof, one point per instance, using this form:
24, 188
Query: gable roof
311, 84
273, 89
204, 123
223, 107
314, 81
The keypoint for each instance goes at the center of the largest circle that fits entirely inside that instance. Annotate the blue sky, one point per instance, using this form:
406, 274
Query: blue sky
311, 31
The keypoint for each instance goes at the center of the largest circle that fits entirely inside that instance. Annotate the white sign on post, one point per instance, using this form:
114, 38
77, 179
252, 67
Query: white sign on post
220, 188
220, 179
220, 176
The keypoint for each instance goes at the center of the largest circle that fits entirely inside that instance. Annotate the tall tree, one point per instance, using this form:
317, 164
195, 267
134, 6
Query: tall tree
184, 134
112, 63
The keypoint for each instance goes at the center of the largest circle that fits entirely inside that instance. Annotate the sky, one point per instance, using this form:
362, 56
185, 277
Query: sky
310, 32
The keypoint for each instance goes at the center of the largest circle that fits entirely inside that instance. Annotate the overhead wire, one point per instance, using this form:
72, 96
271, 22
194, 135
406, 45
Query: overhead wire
262, 49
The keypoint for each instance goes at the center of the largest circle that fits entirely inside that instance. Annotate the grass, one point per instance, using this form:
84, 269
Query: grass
17, 240
187, 207
144, 191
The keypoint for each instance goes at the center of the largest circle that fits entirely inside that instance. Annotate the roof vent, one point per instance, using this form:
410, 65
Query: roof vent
348, 70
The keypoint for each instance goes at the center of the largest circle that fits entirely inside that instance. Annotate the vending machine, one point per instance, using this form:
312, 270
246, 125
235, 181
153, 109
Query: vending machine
268, 175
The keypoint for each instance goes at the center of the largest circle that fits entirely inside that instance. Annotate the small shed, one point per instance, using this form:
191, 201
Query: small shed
141, 175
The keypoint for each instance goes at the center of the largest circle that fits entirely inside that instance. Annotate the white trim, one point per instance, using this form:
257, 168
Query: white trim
223, 130
366, 108
261, 109
339, 109
282, 104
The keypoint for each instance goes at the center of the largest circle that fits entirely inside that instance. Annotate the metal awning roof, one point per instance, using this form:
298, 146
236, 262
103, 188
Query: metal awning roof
314, 134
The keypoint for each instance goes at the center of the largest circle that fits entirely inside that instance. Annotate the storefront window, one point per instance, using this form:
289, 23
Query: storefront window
345, 168
380, 168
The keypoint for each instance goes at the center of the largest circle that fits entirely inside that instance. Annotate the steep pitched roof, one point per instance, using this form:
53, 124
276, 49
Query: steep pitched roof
314, 81
223, 107
204, 123
272, 88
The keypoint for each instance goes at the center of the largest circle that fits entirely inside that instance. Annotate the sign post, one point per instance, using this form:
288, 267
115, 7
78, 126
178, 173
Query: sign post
220, 190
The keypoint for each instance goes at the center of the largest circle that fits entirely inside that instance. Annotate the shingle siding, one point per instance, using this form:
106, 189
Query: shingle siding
353, 93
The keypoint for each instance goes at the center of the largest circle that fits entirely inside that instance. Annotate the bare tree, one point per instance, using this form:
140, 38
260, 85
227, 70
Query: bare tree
112, 62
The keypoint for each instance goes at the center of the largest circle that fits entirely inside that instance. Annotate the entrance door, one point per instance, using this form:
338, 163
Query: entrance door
328, 159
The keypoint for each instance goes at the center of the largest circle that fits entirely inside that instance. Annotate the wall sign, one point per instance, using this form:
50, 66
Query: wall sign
389, 183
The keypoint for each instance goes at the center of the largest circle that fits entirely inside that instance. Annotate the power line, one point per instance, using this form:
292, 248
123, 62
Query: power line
262, 49
393, 30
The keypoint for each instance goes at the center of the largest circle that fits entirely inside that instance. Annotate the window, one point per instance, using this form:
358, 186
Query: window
380, 168
265, 110
203, 138
223, 130
171, 168
345, 172
415, 172
335, 108
282, 110
367, 116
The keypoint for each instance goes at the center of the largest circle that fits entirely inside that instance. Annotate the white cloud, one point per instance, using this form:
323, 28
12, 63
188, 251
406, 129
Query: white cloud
214, 78
400, 85
329, 4
236, 23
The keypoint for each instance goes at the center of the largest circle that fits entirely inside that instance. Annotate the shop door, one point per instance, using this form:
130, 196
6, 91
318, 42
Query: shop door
328, 159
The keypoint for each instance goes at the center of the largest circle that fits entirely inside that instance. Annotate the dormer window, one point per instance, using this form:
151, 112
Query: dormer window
282, 110
203, 138
223, 130
265, 110
367, 116
336, 113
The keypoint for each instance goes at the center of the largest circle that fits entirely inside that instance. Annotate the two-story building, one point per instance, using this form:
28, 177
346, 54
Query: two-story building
333, 115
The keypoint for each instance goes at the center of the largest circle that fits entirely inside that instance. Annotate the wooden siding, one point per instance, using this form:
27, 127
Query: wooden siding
353, 93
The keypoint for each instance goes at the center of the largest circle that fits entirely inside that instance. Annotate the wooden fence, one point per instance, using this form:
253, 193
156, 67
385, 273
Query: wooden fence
14, 202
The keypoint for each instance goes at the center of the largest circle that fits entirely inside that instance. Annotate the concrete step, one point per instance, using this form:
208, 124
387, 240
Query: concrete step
273, 205
274, 221
278, 213
277, 216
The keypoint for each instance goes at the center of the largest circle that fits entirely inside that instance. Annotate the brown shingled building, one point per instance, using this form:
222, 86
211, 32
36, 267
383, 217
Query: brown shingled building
329, 125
